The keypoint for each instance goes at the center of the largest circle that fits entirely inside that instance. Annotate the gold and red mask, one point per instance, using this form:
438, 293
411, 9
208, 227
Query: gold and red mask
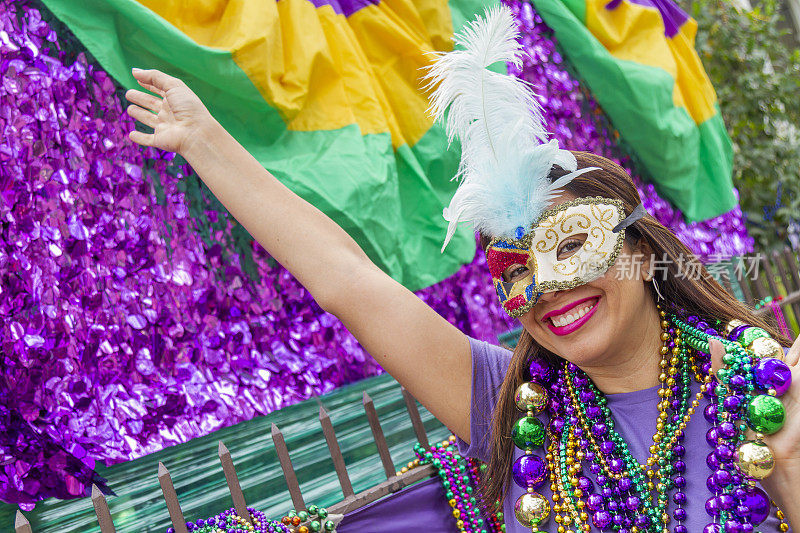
596, 224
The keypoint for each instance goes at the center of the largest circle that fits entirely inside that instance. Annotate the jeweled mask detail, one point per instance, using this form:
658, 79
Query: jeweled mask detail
590, 220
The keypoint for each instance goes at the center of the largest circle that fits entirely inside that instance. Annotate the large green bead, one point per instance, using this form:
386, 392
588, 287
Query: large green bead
528, 432
765, 414
751, 334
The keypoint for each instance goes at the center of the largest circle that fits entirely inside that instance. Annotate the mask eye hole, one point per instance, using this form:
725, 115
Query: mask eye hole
515, 272
570, 245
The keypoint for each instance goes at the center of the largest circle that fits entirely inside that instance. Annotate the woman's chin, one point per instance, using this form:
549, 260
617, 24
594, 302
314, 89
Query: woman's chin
587, 345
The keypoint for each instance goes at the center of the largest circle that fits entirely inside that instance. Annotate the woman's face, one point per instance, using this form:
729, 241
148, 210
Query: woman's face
602, 322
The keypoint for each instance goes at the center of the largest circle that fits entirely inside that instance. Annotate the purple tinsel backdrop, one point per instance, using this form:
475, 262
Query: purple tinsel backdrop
122, 333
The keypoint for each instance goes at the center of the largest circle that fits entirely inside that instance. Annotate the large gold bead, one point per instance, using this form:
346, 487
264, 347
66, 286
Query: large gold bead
755, 459
766, 347
532, 509
530, 397
730, 326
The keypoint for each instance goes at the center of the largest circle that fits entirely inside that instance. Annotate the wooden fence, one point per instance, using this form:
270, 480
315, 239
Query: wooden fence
773, 274
395, 480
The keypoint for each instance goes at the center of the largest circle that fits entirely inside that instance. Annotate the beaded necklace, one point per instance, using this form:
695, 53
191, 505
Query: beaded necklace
460, 477
629, 497
775, 306
312, 520
230, 522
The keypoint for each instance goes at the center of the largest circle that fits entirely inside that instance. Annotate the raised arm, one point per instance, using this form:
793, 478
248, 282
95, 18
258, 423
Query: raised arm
424, 352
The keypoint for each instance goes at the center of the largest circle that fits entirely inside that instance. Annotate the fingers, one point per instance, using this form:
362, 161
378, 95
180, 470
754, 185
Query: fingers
141, 138
153, 89
717, 352
156, 78
794, 353
143, 115
147, 101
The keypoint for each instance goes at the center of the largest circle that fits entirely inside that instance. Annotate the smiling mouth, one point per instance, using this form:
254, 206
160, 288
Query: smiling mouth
573, 313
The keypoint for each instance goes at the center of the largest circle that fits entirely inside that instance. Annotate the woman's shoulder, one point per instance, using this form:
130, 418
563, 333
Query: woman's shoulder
490, 355
490, 363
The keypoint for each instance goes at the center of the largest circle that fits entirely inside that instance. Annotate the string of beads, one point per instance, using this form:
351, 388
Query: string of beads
313, 520
594, 478
229, 521
460, 478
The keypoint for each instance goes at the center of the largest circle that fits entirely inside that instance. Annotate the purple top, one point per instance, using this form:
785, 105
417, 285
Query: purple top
635, 415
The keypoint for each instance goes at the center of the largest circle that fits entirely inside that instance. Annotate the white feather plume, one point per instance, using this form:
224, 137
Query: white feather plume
505, 155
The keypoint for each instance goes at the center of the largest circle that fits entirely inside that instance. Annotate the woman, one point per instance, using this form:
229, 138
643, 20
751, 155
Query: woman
609, 329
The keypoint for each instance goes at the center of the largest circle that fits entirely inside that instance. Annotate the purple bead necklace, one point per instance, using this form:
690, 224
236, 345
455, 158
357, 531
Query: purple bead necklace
629, 497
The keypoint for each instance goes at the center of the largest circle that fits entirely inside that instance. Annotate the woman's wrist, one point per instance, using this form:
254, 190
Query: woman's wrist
204, 134
783, 487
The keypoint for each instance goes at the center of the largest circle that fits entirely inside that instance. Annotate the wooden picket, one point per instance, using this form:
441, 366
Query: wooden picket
288, 469
788, 272
21, 524
378, 436
776, 274
233, 483
102, 511
416, 420
336, 454
171, 499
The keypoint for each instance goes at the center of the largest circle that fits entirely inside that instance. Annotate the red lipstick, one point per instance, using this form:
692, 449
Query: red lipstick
573, 326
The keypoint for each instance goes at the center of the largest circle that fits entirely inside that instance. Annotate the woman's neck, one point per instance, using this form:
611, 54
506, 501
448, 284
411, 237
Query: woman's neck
635, 363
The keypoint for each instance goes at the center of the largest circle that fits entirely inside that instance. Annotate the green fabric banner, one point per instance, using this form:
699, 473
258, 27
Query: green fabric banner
637, 57
385, 188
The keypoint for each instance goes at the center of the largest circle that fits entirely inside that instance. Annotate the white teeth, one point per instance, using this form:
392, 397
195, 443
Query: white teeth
567, 318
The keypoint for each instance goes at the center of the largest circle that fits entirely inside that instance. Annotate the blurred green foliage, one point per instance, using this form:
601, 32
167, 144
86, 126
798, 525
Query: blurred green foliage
757, 79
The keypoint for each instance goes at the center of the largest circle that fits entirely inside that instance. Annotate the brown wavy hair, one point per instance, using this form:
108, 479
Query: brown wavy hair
702, 296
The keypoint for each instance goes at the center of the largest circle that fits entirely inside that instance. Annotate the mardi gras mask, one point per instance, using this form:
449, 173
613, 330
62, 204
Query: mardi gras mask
505, 188
569, 245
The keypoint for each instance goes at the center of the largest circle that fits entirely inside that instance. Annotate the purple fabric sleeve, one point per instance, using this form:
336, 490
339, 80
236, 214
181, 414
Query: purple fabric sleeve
489, 366
422, 506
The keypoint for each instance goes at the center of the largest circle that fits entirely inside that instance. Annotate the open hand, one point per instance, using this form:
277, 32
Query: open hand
176, 113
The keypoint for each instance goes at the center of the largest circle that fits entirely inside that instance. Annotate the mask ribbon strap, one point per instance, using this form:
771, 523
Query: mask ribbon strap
638, 212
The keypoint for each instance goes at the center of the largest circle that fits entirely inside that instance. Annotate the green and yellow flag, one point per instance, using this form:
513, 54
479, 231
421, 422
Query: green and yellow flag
638, 59
326, 94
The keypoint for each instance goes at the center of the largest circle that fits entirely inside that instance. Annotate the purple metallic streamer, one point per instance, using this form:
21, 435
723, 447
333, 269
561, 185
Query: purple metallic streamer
121, 333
